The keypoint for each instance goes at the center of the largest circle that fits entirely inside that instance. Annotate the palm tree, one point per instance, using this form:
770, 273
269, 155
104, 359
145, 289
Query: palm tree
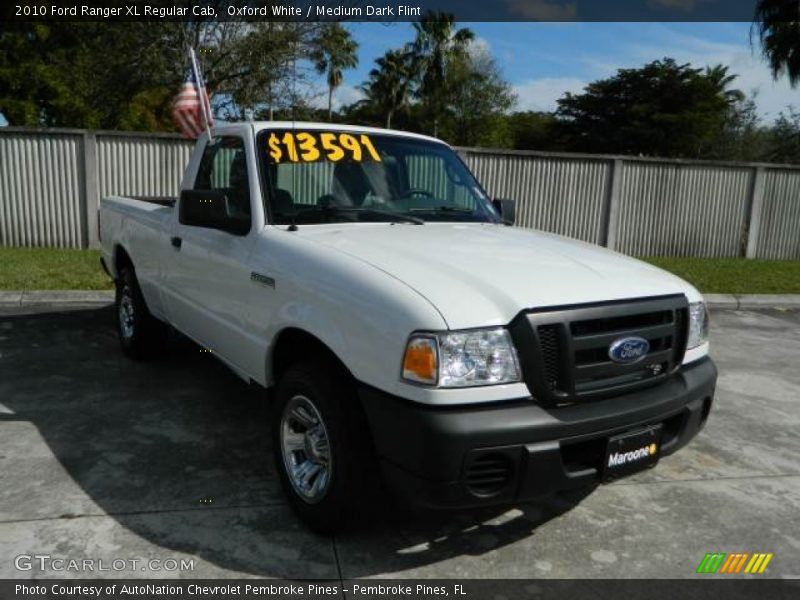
777, 23
718, 75
332, 51
389, 84
438, 43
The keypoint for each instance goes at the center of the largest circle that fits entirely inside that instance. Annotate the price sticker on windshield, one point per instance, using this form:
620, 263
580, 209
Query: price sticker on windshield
304, 146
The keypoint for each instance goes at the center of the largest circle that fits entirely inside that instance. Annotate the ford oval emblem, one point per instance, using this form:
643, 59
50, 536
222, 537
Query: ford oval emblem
628, 350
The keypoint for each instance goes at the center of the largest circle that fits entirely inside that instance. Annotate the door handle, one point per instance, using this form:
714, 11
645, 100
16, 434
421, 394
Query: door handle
176, 241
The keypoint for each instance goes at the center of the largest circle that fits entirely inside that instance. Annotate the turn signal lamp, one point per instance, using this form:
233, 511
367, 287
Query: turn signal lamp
420, 361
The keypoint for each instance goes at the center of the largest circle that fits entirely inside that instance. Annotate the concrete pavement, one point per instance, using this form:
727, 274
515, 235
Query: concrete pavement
108, 459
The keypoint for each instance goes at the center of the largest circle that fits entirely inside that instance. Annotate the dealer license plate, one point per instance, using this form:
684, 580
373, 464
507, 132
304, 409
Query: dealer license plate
631, 452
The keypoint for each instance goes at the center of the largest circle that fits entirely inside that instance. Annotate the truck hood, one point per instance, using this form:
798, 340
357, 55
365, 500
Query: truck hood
485, 274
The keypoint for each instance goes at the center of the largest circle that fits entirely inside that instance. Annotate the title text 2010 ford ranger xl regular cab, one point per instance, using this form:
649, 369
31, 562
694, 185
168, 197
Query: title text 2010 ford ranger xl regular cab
406, 331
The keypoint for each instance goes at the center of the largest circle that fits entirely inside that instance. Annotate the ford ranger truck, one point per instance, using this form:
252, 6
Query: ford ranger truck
407, 333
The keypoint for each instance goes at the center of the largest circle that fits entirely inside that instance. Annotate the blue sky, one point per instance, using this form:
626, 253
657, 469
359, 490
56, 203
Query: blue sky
544, 60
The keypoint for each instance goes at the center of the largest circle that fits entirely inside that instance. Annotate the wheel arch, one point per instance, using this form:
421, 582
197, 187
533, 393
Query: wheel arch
293, 344
121, 259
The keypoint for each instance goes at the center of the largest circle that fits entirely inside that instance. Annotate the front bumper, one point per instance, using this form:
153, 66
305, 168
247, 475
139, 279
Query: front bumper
519, 451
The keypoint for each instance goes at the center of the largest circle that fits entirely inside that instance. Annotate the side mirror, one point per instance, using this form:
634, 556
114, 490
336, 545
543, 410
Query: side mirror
507, 210
211, 209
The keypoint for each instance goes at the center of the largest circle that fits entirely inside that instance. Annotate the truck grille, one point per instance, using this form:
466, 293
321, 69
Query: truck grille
565, 350
552, 356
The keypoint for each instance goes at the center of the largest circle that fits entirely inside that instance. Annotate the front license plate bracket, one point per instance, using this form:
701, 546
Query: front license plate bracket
632, 451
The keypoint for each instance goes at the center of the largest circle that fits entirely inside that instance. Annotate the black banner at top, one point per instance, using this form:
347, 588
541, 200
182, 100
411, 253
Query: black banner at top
381, 10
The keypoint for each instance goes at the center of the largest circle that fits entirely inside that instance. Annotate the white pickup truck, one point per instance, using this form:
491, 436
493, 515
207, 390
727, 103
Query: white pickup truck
406, 332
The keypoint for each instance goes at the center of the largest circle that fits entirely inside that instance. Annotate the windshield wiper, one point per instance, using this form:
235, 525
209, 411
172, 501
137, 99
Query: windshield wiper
394, 216
306, 216
458, 209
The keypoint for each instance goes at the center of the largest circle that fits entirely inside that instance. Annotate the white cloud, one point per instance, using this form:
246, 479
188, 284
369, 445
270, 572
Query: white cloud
342, 96
479, 47
346, 94
541, 94
542, 10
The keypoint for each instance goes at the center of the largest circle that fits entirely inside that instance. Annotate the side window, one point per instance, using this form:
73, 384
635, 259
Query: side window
223, 168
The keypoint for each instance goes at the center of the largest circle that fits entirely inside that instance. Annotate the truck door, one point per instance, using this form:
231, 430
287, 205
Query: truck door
206, 273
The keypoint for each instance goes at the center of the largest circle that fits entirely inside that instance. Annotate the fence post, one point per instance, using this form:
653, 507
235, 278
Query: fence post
756, 207
91, 202
610, 222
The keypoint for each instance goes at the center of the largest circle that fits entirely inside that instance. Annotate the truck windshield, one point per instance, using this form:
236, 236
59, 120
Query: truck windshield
330, 176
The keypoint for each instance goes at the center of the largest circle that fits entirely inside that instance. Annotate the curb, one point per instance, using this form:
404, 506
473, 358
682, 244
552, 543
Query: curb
752, 301
57, 297
104, 297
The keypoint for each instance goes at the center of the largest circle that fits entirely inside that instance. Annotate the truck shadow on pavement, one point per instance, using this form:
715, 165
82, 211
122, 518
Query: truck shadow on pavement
177, 452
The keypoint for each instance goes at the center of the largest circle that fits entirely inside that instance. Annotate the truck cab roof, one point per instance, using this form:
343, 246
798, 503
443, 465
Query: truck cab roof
257, 126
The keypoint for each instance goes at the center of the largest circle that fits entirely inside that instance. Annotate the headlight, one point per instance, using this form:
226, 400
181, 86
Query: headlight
698, 325
461, 358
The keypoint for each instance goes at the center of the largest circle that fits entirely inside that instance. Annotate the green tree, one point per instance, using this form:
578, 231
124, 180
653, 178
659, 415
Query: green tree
743, 137
390, 83
271, 79
777, 23
438, 44
532, 130
721, 78
662, 109
333, 50
479, 99
785, 138
63, 74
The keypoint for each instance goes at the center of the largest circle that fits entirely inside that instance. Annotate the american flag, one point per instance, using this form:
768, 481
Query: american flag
192, 109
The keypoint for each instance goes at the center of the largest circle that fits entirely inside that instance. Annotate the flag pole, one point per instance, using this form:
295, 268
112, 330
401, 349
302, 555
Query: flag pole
201, 85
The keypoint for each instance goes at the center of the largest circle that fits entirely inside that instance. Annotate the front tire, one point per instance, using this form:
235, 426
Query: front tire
140, 334
320, 450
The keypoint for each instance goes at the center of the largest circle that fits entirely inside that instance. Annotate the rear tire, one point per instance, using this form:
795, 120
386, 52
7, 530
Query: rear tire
141, 335
321, 446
